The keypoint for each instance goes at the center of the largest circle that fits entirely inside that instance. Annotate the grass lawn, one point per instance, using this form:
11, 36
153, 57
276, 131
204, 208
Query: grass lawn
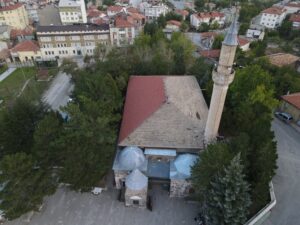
3, 68
11, 87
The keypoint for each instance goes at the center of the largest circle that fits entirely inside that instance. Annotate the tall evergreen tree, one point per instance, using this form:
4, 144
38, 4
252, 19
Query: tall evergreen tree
228, 199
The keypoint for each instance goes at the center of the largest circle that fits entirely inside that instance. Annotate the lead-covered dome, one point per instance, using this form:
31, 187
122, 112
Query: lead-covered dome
136, 180
131, 158
181, 167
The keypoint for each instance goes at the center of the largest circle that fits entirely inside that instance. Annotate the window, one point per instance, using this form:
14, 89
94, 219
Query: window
88, 37
44, 39
60, 38
135, 202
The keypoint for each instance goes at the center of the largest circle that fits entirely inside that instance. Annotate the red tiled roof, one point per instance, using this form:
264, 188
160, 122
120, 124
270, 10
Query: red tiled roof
26, 46
93, 13
293, 4
243, 41
137, 16
208, 34
182, 12
11, 7
120, 22
274, 10
293, 99
132, 10
115, 8
204, 15
295, 18
144, 96
174, 22
215, 53
18, 32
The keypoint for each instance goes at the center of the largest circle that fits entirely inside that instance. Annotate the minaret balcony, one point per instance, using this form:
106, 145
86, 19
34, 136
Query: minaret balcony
223, 79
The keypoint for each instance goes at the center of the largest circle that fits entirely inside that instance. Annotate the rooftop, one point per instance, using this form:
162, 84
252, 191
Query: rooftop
295, 18
163, 112
11, 7
26, 46
214, 53
120, 22
293, 99
69, 3
282, 59
204, 15
72, 28
174, 22
274, 10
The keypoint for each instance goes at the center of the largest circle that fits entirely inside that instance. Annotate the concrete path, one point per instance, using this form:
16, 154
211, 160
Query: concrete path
286, 181
59, 91
71, 208
8, 72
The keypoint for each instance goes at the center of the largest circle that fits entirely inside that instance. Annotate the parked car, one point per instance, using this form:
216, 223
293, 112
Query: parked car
286, 117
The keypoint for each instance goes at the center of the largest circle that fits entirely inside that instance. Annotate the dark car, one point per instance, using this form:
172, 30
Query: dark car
284, 116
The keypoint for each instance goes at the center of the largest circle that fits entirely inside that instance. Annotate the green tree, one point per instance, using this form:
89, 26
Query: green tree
17, 125
199, 4
228, 200
218, 42
285, 29
161, 21
25, 184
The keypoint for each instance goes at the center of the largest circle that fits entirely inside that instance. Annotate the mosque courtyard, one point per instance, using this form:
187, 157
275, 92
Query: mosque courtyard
67, 207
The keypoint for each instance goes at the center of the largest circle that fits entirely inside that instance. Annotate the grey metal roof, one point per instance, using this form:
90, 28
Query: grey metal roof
160, 152
73, 28
136, 180
181, 167
231, 38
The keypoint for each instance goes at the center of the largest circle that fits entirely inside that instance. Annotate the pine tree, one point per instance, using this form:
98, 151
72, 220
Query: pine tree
228, 200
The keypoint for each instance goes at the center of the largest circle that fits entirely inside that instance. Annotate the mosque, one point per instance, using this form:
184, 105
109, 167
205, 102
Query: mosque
166, 123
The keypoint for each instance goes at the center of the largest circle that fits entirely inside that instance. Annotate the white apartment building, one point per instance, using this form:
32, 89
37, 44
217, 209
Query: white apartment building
272, 17
292, 7
207, 17
71, 40
72, 11
152, 12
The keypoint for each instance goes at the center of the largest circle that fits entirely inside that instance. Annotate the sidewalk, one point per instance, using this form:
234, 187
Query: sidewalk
8, 72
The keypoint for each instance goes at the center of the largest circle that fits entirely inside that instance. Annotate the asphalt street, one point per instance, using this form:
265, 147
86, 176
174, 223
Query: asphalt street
286, 181
59, 91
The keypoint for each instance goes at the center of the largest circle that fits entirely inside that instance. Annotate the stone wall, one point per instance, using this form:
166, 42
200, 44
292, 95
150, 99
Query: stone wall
120, 177
180, 188
140, 195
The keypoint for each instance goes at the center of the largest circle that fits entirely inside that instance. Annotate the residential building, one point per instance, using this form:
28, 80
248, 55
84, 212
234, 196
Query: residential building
26, 51
152, 12
292, 7
5, 32
244, 44
19, 35
173, 25
272, 17
207, 17
182, 12
256, 32
113, 10
14, 15
72, 11
295, 19
291, 105
122, 32
32, 11
137, 19
71, 40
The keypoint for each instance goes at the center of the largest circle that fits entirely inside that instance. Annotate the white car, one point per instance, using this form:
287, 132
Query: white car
97, 190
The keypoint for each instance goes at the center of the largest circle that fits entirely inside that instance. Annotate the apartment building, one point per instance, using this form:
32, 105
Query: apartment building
72, 11
14, 15
152, 12
207, 17
122, 32
292, 7
71, 40
272, 17
295, 19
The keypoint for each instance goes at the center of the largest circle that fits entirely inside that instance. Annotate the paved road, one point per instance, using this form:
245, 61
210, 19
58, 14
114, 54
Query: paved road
59, 91
286, 182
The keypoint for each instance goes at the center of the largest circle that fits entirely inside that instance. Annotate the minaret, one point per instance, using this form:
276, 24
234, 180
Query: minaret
222, 76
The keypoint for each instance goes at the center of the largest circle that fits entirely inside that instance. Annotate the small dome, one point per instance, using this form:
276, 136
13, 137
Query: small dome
184, 162
136, 180
131, 158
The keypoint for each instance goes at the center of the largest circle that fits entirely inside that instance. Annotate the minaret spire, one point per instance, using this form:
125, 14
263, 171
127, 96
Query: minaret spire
222, 76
